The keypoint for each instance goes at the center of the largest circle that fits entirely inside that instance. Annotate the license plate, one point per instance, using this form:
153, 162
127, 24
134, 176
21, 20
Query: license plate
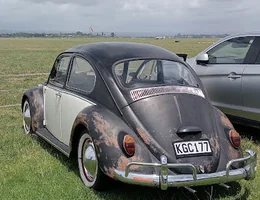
192, 148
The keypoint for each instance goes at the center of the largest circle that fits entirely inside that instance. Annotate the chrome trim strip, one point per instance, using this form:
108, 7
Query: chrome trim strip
141, 93
163, 180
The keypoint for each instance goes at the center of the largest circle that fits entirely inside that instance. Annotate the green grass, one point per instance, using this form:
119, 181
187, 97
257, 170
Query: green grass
32, 169
37, 55
12, 87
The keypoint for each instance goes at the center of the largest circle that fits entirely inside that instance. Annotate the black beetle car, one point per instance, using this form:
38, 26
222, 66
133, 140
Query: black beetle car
135, 113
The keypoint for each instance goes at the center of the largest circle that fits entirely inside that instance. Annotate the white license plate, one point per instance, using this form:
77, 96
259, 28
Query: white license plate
192, 148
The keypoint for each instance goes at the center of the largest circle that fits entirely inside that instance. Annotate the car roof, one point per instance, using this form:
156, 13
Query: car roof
110, 52
244, 34
256, 33
240, 35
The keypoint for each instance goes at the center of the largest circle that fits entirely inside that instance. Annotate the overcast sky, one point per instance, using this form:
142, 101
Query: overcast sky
165, 16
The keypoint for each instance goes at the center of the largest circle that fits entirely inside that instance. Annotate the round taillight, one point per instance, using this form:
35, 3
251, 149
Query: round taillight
129, 145
235, 138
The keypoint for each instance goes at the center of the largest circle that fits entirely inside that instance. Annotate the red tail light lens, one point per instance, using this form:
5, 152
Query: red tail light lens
235, 138
129, 145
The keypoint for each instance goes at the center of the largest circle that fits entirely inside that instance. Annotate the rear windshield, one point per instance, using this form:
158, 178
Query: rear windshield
153, 72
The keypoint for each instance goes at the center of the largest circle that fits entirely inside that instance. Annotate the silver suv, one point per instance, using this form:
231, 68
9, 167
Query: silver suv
230, 72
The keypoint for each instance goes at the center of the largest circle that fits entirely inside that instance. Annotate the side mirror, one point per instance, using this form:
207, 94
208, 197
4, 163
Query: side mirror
183, 56
202, 59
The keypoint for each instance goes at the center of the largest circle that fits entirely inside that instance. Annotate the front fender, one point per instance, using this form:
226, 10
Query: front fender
36, 101
107, 131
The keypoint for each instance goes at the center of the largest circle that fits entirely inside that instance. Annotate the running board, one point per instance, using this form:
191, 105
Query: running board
48, 137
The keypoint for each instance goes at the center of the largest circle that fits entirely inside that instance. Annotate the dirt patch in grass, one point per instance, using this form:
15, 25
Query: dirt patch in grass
22, 75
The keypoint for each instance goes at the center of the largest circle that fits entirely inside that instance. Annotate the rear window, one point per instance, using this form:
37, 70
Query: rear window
153, 72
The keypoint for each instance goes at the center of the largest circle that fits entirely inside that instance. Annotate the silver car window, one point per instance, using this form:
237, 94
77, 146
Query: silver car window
231, 51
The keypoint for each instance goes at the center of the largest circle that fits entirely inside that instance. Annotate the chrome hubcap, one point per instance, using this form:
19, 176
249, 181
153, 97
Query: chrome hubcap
89, 160
26, 117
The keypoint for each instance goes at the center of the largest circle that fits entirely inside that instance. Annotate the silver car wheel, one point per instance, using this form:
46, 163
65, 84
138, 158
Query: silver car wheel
27, 117
87, 160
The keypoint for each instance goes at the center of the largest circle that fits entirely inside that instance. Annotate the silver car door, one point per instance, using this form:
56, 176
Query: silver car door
251, 92
81, 82
222, 75
53, 96
223, 84
250, 85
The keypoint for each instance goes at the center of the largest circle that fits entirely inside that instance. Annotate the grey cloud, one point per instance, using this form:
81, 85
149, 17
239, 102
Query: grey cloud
78, 2
168, 16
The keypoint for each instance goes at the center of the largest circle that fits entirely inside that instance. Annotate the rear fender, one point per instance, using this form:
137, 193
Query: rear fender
228, 152
36, 101
107, 131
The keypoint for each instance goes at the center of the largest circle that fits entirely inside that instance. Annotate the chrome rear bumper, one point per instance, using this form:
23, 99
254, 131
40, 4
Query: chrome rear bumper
163, 180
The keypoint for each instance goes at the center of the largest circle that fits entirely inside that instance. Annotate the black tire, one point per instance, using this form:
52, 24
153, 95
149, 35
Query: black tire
90, 173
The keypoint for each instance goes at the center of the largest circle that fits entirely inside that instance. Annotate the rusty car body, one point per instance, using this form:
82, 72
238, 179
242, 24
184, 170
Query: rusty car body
135, 113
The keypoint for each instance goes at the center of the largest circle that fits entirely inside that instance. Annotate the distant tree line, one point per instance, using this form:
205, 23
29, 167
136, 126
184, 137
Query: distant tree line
56, 35
200, 35
80, 34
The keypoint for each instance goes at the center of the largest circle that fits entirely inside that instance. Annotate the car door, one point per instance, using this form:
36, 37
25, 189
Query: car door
250, 84
222, 74
81, 81
53, 95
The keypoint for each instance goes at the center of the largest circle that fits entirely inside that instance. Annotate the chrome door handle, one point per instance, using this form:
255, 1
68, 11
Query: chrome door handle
233, 76
58, 94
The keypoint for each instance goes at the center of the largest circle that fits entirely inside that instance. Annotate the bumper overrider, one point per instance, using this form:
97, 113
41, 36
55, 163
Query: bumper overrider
163, 180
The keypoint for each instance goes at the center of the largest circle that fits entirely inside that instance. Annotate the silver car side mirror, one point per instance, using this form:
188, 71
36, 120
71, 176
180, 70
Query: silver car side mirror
202, 59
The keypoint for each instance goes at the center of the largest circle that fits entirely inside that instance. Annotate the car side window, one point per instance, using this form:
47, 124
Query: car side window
82, 76
258, 60
232, 51
59, 72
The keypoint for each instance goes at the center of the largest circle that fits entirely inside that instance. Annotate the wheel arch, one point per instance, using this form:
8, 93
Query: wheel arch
228, 151
74, 140
36, 101
25, 97
105, 128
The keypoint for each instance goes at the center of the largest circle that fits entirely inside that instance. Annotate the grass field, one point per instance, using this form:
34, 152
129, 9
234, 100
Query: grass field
32, 169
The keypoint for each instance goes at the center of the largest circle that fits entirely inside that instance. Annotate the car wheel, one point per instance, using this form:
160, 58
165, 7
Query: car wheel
27, 120
88, 165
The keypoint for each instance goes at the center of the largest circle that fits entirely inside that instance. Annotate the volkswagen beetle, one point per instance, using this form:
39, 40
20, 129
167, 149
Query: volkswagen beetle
135, 113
